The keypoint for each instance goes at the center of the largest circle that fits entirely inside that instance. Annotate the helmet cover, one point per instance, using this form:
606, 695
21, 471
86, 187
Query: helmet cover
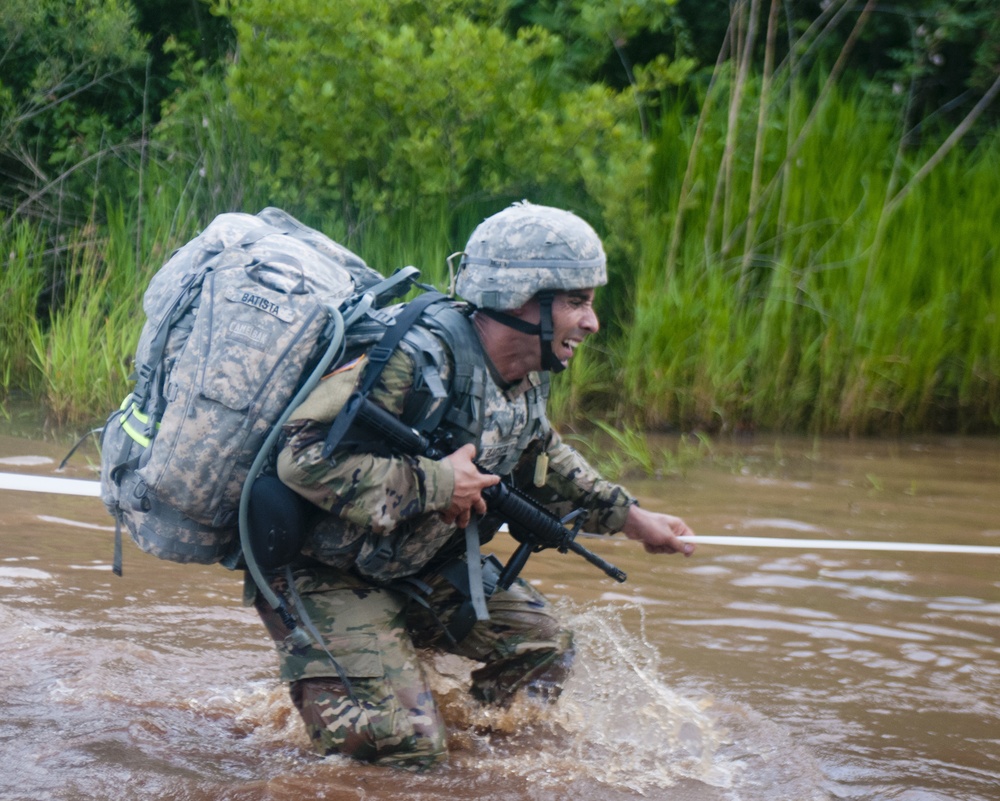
526, 249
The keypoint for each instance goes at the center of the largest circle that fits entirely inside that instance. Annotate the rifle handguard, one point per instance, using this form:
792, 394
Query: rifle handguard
539, 528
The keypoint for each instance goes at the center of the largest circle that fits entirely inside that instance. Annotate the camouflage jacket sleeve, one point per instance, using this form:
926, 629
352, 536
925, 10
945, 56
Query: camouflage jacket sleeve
371, 491
571, 483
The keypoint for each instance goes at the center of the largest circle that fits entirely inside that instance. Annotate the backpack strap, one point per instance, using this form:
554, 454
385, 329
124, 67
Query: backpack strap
148, 373
395, 285
462, 411
378, 357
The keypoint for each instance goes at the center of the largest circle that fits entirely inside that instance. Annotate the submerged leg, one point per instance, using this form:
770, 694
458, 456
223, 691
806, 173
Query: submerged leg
373, 722
522, 645
385, 713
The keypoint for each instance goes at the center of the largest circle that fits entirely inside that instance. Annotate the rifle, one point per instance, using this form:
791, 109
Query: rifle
530, 523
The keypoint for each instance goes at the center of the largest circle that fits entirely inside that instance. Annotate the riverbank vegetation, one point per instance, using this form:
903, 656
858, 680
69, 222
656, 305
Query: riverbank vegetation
801, 228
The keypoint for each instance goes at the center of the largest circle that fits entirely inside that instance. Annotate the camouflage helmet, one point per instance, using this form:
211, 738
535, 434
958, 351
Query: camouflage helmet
526, 249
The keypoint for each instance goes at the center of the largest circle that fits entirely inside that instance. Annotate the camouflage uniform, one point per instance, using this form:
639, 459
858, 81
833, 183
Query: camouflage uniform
388, 714
383, 527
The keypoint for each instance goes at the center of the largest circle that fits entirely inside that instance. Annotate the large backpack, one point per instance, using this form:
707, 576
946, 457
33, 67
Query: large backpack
238, 322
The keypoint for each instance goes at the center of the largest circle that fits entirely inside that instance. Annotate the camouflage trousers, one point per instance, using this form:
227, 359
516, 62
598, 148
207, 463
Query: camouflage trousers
385, 713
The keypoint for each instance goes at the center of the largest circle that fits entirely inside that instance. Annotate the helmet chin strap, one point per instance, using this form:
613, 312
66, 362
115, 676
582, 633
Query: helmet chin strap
547, 334
544, 330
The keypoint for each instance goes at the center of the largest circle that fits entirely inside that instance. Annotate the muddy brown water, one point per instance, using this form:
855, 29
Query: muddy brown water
737, 674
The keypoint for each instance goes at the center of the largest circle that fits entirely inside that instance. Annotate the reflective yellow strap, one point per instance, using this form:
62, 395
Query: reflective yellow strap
135, 412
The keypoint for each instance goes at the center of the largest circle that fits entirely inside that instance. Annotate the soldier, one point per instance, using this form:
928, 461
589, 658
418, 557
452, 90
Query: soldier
386, 568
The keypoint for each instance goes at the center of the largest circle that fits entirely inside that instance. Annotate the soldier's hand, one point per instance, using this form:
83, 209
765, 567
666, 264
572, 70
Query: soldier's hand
658, 532
469, 485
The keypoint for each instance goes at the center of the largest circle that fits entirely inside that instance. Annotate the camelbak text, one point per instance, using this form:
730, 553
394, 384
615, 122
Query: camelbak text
249, 334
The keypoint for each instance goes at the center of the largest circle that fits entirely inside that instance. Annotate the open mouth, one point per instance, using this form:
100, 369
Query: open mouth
568, 347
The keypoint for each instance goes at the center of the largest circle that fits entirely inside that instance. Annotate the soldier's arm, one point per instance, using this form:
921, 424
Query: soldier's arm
366, 489
570, 482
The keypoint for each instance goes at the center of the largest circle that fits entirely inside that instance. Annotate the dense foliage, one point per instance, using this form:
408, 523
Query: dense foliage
71, 85
779, 184
383, 105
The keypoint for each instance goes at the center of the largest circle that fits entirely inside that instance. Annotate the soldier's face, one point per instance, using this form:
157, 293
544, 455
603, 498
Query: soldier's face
573, 320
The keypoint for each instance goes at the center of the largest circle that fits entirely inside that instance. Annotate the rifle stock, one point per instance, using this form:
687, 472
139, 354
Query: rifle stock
534, 526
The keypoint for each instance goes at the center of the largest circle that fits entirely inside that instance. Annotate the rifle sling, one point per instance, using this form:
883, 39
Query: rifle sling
472, 556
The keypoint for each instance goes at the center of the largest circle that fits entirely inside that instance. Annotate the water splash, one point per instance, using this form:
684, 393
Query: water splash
621, 728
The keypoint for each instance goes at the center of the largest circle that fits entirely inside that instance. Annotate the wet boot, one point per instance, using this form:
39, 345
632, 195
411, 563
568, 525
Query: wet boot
541, 673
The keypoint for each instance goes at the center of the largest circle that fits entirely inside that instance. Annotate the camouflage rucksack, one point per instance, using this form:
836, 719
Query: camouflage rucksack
239, 321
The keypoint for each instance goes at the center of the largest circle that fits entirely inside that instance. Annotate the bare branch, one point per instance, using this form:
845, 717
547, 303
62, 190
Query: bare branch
758, 155
831, 81
961, 130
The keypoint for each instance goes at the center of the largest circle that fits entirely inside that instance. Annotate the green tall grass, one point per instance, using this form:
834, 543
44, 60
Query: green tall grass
829, 315
82, 350
70, 334
771, 293
22, 280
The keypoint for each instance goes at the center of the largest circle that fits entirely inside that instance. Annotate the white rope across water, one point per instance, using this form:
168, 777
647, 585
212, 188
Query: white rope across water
843, 545
55, 486
72, 486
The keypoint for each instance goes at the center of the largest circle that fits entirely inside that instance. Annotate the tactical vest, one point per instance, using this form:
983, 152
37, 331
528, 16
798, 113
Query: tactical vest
478, 411
473, 408
454, 401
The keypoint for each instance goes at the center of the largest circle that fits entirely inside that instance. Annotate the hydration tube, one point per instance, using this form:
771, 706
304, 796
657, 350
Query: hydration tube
365, 302
336, 343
